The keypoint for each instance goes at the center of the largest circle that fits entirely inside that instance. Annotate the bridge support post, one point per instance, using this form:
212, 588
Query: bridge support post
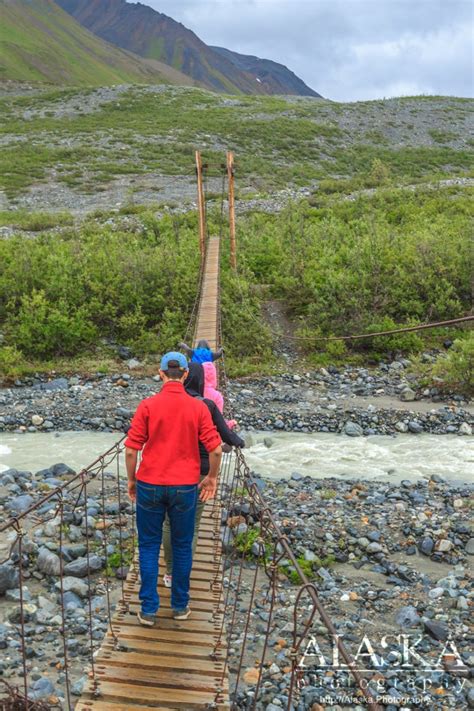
230, 177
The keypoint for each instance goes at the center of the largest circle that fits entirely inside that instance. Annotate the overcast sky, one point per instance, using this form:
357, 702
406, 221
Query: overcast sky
346, 49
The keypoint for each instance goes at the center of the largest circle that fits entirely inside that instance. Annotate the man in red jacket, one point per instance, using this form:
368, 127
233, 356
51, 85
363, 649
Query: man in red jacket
169, 427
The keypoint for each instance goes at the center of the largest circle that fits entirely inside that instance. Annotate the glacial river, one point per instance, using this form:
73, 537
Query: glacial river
318, 455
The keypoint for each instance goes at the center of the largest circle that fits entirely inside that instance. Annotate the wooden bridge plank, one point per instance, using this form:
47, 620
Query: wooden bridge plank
177, 662
157, 678
162, 641
190, 625
180, 698
98, 705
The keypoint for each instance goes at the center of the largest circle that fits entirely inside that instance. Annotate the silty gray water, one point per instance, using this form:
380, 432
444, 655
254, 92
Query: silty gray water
277, 455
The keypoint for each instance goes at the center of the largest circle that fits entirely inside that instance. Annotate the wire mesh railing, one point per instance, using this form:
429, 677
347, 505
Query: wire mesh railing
63, 562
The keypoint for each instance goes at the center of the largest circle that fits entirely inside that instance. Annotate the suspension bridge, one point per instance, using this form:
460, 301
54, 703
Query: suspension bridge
218, 658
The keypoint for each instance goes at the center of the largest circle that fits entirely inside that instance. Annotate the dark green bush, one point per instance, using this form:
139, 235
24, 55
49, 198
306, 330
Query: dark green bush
376, 263
456, 368
43, 328
59, 294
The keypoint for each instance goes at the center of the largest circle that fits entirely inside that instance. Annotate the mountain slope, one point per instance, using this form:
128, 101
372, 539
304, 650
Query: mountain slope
273, 76
140, 29
41, 42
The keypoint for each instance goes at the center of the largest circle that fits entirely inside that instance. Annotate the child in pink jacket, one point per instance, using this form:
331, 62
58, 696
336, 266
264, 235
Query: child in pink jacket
211, 392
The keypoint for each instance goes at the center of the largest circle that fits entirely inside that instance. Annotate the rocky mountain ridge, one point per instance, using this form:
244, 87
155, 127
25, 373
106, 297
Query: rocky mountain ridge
140, 29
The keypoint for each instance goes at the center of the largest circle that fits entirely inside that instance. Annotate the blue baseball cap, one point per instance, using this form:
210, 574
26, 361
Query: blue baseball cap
173, 359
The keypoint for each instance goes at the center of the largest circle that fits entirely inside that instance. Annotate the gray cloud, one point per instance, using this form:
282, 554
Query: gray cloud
347, 50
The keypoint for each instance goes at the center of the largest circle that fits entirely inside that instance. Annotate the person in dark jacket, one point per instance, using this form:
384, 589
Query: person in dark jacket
194, 386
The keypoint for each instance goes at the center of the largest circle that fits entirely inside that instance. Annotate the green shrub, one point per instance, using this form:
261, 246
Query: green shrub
43, 329
379, 174
397, 342
61, 294
456, 368
372, 264
10, 361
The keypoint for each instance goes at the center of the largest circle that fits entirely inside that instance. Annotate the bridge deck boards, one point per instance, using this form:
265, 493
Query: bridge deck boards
169, 666
207, 320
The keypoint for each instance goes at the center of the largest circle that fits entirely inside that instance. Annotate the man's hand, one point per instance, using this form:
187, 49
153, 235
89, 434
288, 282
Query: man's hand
131, 456
132, 490
208, 488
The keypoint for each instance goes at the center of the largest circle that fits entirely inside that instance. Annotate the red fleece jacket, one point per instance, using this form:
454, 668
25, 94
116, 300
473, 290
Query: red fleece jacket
169, 426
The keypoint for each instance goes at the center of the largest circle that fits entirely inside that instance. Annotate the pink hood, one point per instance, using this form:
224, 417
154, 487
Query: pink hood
210, 374
210, 382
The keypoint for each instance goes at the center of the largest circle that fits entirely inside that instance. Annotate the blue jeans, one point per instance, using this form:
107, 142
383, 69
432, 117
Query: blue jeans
153, 502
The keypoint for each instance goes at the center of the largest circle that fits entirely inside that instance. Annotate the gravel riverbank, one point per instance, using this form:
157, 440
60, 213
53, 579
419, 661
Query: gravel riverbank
356, 401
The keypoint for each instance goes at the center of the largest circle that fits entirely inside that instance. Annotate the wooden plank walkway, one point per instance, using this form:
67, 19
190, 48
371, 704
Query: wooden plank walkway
171, 665
175, 664
207, 320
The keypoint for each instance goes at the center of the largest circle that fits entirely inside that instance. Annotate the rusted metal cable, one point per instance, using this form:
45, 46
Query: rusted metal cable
95, 683
61, 593
22, 614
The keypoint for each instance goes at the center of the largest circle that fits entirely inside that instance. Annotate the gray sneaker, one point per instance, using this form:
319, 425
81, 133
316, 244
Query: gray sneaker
146, 620
181, 614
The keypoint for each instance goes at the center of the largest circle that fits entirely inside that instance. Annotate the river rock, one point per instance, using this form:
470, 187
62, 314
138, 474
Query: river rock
9, 578
78, 686
415, 427
37, 420
437, 630
352, 429
74, 585
426, 545
62, 469
41, 689
401, 426
48, 562
444, 545
79, 568
124, 352
465, 429
469, 548
374, 547
407, 395
133, 363
56, 384
407, 617
21, 503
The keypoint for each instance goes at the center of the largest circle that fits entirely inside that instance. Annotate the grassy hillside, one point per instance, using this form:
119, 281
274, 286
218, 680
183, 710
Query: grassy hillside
87, 139
39, 42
